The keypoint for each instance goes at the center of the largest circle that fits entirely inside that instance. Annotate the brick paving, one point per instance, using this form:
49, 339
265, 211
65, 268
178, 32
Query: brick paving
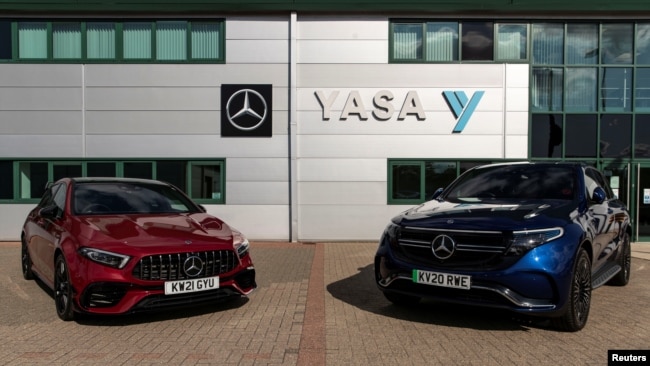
316, 305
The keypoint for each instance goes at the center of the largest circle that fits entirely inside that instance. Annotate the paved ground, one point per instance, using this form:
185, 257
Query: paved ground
316, 305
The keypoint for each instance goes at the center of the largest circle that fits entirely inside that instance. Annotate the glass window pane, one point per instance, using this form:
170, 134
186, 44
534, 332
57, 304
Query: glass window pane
171, 40
142, 170
137, 40
581, 81
100, 40
32, 40
615, 135
582, 44
5, 40
174, 172
205, 41
478, 41
642, 136
66, 40
62, 171
546, 136
407, 41
206, 181
442, 41
548, 44
643, 43
438, 174
101, 169
32, 179
511, 41
642, 90
617, 43
616, 89
7, 181
581, 134
406, 182
547, 89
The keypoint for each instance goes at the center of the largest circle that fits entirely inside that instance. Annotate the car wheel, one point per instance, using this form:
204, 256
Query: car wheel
401, 300
577, 311
63, 290
625, 261
26, 261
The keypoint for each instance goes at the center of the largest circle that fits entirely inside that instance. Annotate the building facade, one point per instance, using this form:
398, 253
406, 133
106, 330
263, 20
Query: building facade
313, 120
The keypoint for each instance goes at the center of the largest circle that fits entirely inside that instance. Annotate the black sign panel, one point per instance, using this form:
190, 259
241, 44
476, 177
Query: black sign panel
246, 110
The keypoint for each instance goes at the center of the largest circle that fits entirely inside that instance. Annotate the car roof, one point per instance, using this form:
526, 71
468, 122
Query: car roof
116, 180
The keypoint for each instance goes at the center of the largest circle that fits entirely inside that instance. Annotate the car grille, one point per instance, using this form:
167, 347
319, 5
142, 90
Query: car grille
472, 248
167, 267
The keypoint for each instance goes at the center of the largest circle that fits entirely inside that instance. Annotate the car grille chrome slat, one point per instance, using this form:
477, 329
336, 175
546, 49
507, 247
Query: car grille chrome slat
170, 267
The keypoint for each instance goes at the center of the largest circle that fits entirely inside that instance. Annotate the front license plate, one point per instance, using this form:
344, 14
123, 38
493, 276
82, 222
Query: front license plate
442, 279
194, 285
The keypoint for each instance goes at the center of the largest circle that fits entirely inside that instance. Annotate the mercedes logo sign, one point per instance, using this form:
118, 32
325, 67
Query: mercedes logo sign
246, 110
193, 266
239, 106
443, 246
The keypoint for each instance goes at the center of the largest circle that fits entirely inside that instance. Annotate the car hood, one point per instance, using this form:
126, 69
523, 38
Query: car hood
489, 216
155, 230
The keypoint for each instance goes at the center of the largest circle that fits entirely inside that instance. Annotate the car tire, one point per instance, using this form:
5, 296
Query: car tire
577, 311
26, 261
63, 290
625, 261
401, 299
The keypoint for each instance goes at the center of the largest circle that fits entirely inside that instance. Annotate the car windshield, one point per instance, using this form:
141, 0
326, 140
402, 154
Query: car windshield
99, 198
514, 183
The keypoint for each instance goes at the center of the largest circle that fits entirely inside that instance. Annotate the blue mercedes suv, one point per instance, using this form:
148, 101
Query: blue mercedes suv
534, 238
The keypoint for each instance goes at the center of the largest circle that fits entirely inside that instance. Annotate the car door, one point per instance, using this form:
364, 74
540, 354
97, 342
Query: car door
605, 218
48, 228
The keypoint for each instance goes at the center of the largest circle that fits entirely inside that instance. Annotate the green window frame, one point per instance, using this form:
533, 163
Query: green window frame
118, 41
28, 178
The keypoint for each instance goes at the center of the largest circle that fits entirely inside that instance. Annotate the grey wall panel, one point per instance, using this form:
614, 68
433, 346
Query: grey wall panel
12, 218
260, 169
257, 51
257, 222
342, 193
350, 169
342, 27
400, 75
257, 193
40, 122
40, 75
189, 146
41, 146
256, 27
40, 98
343, 51
178, 75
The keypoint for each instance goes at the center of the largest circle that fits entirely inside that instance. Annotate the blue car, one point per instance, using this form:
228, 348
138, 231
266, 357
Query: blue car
534, 238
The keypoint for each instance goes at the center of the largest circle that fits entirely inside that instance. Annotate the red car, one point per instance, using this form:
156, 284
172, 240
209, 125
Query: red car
117, 245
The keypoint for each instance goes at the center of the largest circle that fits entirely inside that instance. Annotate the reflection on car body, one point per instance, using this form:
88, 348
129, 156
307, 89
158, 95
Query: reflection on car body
118, 245
533, 238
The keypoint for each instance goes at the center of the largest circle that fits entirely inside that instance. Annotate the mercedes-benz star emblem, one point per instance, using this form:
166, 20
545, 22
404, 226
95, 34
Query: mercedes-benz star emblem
443, 246
193, 266
245, 117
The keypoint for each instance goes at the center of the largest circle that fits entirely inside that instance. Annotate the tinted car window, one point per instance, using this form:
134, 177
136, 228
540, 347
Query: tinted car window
514, 182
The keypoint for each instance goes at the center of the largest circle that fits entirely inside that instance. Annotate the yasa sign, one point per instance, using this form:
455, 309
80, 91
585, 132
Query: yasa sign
384, 106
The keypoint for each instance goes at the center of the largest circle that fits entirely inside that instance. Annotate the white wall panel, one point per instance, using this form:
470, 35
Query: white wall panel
517, 76
155, 98
516, 147
517, 123
40, 75
12, 218
517, 99
190, 146
40, 99
257, 51
341, 27
41, 146
343, 193
406, 146
40, 122
257, 193
343, 51
255, 27
258, 169
257, 222
350, 169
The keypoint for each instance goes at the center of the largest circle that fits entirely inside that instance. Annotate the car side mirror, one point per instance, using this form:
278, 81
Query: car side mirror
49, 212
436, 193
599, 196
202, 208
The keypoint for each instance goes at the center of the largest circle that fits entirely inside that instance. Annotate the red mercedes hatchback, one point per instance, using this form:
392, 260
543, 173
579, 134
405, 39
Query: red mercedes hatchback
117, 245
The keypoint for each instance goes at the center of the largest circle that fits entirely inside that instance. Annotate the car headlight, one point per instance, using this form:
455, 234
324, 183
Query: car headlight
523, 241
241, 245
106, 258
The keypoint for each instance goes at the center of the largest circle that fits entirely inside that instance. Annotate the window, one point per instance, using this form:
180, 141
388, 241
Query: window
546, 135
206, 181
581, 135
66, 170
478, 41
116, 41
6, 185
442, 41
512, 42
548, 44
582, 44
642, 136
143, 170
32, 179
615, 135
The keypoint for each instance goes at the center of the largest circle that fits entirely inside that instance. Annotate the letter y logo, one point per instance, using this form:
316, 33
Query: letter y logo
462, 107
